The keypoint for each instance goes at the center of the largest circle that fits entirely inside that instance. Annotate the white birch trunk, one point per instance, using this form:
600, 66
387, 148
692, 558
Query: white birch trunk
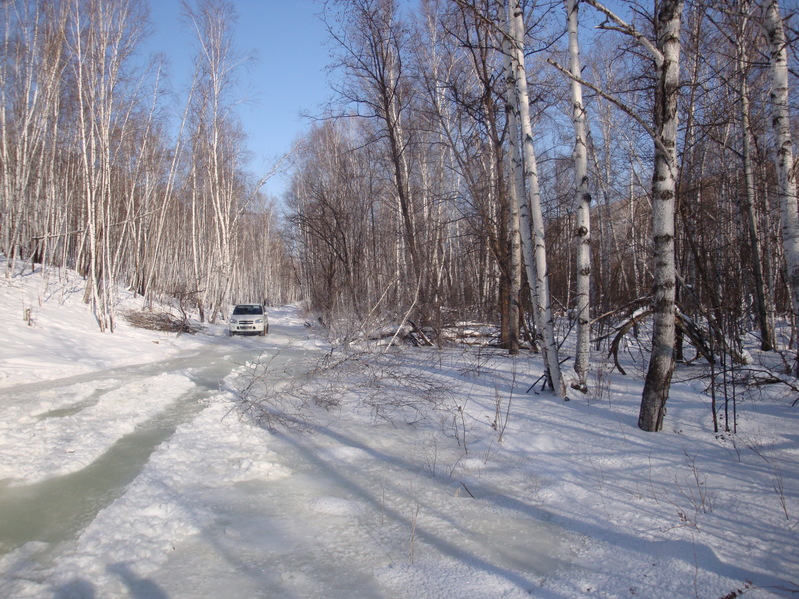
516, 191
533, 219
514, 226
582, 231
88, 165
661, 363
783, 159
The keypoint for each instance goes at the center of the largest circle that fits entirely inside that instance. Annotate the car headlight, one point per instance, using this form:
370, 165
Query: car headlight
259, 321
234, 321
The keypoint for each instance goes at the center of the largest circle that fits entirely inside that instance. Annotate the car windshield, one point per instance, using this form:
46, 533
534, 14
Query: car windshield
245, 310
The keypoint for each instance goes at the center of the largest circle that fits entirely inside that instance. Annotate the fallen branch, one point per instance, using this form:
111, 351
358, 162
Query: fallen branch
695, 334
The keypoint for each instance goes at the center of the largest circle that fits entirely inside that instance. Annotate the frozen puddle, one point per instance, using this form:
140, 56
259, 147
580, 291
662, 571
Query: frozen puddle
57, 508
63, 439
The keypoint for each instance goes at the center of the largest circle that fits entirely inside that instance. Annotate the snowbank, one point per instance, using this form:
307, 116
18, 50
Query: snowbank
49, 332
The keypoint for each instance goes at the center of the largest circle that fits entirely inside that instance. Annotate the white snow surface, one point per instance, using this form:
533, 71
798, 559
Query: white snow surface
131, 467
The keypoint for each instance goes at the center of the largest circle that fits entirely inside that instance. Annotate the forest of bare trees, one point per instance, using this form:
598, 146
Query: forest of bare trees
669, 208
103, 172
528, 164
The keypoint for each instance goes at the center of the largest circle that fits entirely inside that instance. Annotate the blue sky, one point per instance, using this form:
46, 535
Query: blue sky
286, 78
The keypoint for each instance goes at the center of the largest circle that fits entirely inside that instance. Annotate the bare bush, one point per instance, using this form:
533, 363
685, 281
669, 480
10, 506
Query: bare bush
160, 321
692, 499
387, 383
272, 395
600, 388
283, 394
502, 416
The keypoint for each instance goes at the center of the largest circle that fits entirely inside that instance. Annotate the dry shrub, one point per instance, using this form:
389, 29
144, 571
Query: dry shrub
159, 321
391, 387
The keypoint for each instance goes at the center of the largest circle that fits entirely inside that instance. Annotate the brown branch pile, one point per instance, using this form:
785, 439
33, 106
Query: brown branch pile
159, 321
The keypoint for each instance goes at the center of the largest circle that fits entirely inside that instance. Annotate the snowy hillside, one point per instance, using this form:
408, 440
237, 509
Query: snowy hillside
141, 464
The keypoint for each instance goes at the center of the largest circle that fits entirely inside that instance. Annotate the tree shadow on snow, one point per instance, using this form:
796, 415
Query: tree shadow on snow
140, 588
75, 589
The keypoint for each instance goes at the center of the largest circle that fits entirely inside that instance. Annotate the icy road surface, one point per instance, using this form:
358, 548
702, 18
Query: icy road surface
145, 482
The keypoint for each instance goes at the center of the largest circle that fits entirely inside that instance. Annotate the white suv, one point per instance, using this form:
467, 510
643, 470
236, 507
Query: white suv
249, 319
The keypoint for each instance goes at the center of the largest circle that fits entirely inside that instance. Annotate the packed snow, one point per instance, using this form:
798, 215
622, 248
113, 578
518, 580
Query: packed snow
151, 465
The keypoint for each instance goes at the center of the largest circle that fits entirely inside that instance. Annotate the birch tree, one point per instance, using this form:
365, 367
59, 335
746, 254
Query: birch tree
530, 211
102, 37
436, 62
373, 42
665, 53
783, 152
516, 189
477, 141
31, 67
582, 231
217, 190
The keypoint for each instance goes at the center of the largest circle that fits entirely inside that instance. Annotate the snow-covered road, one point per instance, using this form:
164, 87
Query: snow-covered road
129, 468
143, 481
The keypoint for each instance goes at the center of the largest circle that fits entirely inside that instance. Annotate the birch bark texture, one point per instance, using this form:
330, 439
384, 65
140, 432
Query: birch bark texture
665, 53
530, 212
516, 191
661, 363
582, 232
783, 155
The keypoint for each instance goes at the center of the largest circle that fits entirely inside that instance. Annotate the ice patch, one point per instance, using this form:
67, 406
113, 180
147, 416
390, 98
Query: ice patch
334, 506
344, 454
